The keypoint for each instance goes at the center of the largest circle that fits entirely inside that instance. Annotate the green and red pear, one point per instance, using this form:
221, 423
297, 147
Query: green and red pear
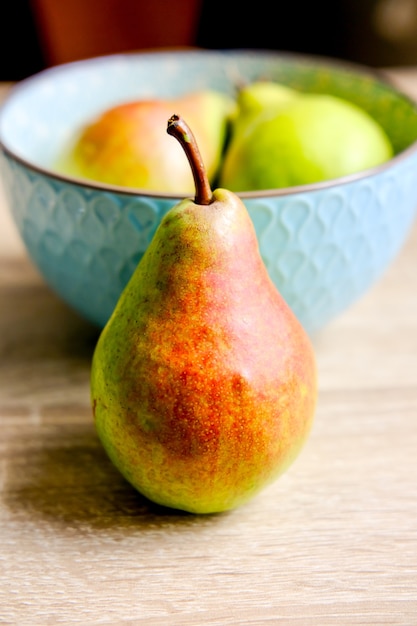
203, 382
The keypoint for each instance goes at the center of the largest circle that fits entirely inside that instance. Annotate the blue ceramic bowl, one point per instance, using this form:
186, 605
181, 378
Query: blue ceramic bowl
323, 244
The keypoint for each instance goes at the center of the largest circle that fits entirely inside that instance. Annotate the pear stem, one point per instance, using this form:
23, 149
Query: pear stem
179, 129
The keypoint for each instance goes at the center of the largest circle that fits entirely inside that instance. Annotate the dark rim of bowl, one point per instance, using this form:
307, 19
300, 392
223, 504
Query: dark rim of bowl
315, 60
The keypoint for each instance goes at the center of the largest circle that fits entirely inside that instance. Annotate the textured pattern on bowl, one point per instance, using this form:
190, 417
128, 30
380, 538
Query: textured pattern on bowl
324, 245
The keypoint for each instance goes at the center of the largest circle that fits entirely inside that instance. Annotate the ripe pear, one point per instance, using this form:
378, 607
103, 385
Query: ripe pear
126, 145
203, 382
309, 139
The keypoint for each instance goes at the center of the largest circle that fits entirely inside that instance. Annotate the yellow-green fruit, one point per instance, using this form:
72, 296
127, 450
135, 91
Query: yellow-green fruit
311, 139
256, 99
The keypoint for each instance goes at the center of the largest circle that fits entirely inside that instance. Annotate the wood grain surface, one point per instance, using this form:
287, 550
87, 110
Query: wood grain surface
333, 541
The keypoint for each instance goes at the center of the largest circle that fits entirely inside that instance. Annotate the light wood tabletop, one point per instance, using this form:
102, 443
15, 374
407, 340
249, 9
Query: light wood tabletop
333, 541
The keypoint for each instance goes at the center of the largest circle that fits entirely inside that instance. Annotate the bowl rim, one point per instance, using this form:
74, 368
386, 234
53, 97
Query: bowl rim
377, 74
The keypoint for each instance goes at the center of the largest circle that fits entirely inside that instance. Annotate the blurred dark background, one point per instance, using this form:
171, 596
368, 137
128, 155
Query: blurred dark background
41, 33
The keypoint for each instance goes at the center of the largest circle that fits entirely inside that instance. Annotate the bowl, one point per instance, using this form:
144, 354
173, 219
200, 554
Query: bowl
324, 244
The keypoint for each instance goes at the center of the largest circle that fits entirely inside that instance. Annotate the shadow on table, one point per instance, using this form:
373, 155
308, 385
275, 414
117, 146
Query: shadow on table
65, 477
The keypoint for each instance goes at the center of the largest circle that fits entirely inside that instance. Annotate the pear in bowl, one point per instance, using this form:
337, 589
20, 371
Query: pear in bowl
284, 138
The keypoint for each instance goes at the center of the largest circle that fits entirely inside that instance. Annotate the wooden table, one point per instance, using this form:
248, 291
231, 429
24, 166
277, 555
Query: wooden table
334, 541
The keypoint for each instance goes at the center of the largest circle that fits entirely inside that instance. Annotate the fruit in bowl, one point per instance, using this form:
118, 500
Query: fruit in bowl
292, 138
203, 381
125, 145
256, 98
280, 137
324, 244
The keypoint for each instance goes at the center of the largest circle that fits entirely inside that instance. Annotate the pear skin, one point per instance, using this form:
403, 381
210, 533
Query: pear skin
127, 146
203, 382
258, 99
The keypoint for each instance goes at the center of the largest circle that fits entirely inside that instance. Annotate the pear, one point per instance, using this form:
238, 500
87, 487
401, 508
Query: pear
203, 382
127, 146
310, 138
256, 99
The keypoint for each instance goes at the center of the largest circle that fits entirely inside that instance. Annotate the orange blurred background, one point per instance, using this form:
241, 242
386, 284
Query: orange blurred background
41, 33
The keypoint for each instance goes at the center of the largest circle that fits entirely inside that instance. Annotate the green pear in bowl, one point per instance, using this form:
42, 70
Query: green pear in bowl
203, 382
309, 138
126, 145
256, 99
